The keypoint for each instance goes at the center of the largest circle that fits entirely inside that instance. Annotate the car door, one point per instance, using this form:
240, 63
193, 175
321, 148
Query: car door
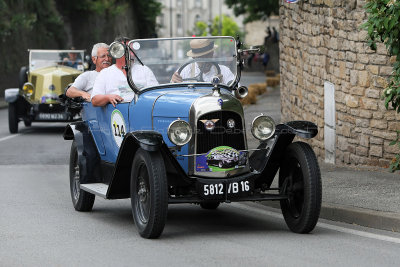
113, 125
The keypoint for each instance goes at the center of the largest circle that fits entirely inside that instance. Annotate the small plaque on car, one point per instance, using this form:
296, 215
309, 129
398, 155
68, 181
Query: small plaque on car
222, 158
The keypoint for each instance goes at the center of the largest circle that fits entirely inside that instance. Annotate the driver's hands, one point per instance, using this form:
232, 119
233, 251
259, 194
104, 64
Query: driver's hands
176, 78
114, 99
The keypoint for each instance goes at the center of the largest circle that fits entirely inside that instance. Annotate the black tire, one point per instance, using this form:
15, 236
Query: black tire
27, 122
22, 77
209, 205
149, 193
12, 118
300, 179
82, 200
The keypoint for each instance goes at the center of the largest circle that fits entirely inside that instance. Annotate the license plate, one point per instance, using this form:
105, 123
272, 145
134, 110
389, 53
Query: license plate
233, 188
51, 116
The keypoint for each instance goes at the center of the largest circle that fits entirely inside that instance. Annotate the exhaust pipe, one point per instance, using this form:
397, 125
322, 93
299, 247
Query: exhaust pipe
241, 92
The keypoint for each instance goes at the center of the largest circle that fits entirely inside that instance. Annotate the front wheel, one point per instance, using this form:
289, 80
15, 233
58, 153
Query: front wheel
149, 193
300, 180
12, 118
82, 200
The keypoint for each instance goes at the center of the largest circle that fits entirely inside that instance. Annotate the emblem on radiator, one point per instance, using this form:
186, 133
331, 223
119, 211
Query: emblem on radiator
209, 124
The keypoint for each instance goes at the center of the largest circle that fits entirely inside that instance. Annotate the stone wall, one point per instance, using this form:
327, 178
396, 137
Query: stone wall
321, 41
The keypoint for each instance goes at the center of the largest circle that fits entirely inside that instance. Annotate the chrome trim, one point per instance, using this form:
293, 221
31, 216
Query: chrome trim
244, 150
152, 109
206, 104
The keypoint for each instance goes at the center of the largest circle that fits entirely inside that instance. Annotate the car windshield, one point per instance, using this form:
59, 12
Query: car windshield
49, 58
194, 60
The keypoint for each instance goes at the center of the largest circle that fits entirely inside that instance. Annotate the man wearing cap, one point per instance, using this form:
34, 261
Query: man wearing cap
200, 49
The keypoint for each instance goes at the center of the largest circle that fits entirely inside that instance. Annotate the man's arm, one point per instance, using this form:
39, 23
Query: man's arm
75, 92
102, 100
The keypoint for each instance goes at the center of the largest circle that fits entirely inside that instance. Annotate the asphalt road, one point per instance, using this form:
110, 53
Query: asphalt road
39, 227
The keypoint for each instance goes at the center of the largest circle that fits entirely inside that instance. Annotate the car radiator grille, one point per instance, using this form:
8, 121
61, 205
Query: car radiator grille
221, 135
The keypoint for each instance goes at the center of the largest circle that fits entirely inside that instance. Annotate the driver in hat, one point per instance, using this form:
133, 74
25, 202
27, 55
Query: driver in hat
203, 70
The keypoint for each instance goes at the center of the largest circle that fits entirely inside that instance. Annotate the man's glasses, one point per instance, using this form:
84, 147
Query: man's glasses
103, 56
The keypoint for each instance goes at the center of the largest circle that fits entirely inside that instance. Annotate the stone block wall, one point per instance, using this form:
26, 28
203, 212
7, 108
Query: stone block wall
321, 41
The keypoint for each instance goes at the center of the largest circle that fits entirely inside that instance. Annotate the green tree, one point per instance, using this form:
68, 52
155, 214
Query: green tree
383, 26
228, 27
254, 9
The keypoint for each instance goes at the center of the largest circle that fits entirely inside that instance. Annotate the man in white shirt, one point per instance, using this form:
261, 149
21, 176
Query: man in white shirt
83, 85
111, 84
203, 48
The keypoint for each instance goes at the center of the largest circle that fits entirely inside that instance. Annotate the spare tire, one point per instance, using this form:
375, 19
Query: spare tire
22, 76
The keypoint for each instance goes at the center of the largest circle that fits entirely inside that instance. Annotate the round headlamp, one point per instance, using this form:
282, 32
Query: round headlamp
28, 89
263, 127
117, 50
179, 132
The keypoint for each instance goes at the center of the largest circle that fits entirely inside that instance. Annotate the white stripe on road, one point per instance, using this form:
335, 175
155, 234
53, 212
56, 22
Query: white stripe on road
8, 137
322, 225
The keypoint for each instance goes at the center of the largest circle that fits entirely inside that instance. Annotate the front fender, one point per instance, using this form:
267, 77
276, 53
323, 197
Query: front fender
305, 129
11, 95
88, 156
149, 141
267, 159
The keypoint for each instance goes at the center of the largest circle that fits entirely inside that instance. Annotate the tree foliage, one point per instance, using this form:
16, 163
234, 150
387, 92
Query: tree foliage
383, 26
228, 27
254, 9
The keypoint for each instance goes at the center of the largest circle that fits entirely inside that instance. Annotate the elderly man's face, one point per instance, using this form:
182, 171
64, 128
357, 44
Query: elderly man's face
205, 66
103, 59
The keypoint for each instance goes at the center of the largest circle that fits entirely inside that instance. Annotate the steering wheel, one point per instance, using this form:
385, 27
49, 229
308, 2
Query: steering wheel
199, 77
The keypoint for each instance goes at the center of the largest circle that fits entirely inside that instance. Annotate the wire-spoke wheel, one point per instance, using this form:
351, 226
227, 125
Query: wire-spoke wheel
300, 180
82, 200
149, 195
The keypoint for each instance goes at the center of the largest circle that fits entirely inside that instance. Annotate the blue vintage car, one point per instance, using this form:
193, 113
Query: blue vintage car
185, 142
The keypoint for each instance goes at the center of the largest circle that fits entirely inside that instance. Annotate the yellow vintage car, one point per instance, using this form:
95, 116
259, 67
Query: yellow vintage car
37, 99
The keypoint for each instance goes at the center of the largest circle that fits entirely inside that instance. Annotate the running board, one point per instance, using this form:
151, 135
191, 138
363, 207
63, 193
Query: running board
99, 189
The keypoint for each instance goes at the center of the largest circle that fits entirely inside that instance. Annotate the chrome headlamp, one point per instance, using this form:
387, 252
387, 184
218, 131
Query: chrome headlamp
263, 127
117, 50
28, 88
179, 132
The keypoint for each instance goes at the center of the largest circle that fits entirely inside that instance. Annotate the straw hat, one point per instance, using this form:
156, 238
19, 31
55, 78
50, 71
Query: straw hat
200, 47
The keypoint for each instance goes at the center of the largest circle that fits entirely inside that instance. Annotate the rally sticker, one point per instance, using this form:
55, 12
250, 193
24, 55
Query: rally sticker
222, 158
118, 127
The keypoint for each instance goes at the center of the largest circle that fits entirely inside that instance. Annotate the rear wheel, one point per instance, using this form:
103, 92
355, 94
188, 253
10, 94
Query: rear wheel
300, 180
12, 117
149, 194
82, 200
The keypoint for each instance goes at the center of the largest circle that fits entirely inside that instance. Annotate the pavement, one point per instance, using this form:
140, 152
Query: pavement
366, 196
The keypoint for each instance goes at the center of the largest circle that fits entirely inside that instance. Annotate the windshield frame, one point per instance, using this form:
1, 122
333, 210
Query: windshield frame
81, 53
189, 84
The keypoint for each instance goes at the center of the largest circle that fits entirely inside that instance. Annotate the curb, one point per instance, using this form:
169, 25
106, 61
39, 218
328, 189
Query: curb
382, 220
